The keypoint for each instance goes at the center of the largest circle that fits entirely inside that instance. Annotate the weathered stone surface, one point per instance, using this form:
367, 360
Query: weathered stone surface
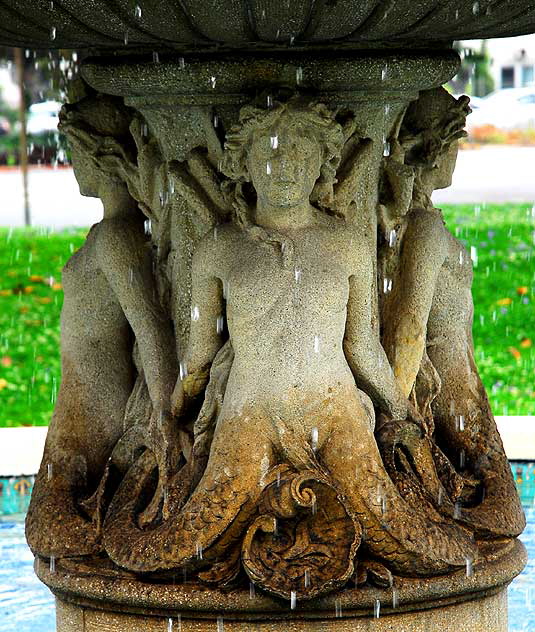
456, 602
290, 308
172, 25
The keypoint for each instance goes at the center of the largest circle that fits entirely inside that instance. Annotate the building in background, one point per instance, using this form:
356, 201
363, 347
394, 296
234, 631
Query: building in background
511, 60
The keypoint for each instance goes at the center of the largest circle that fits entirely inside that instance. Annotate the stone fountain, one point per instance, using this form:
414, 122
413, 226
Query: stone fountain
270, 417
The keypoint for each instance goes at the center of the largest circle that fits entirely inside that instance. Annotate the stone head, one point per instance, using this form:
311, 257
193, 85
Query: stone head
430, 132
284, 151
96, 126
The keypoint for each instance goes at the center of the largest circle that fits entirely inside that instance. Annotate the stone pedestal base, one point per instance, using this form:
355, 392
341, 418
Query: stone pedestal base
488, 614
95, 597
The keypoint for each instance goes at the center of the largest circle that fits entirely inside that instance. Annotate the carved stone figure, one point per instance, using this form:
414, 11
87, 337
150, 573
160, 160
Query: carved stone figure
110, 299
427, 313
295, 286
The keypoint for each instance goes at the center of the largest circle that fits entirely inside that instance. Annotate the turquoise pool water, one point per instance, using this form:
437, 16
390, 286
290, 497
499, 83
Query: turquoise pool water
26, 605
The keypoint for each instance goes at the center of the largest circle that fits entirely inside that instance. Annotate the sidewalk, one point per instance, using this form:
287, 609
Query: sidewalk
55, 200
495, 174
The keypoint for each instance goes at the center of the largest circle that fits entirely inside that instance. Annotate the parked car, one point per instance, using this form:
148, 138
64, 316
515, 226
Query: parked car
512, 108
43, 117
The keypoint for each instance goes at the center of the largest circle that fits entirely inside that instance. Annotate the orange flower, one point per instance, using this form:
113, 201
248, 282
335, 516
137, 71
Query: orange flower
36, 278
6, 292
12, 273
44, 299
525, 343
56, 287
6, 361
24, 310
3, 383
28, 289
504, 301
522, 290
515, 353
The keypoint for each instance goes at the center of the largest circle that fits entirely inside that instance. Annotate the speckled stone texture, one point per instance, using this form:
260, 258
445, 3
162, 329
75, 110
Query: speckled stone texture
487, 614
455, 603
169, 24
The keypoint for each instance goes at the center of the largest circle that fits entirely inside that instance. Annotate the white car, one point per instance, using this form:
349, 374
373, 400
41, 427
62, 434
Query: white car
43, 117
512, 108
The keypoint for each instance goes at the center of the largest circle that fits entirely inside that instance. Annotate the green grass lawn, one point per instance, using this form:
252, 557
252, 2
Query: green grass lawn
504, 322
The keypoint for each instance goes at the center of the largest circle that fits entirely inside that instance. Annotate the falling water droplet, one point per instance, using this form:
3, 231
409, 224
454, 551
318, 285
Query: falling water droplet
183, 370
299, 75
137, 12
469, 567
195, 313
49, 469
293, 600
338, 608
297, 274
274, 142
220, 625
457, 510
461, 257
394, 598
307, 577
198, 550
268, 168
473, 255
51, 5
148, 227
269, 101
252, 592
440, 496
392, 238
386, 147
52, 564
53, 31
456, 14
155, 57
215, 120
384, 72
170, 625
126, 35
181, 63
377, 609
316, 344
314, 439
460, 423
462, 459
213, 81
475, 8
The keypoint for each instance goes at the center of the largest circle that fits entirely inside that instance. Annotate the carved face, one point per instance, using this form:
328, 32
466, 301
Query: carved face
87, 175
284, 165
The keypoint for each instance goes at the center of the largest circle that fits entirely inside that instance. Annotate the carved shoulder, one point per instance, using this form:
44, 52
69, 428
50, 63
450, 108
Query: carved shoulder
214, 252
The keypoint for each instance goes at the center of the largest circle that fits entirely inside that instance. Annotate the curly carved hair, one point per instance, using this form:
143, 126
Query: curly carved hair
311, 119
431, 124
98, 125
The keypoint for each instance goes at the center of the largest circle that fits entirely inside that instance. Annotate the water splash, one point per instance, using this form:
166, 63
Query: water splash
213, 82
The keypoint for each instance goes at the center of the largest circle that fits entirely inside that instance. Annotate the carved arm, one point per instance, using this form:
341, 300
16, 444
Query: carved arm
405, 325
